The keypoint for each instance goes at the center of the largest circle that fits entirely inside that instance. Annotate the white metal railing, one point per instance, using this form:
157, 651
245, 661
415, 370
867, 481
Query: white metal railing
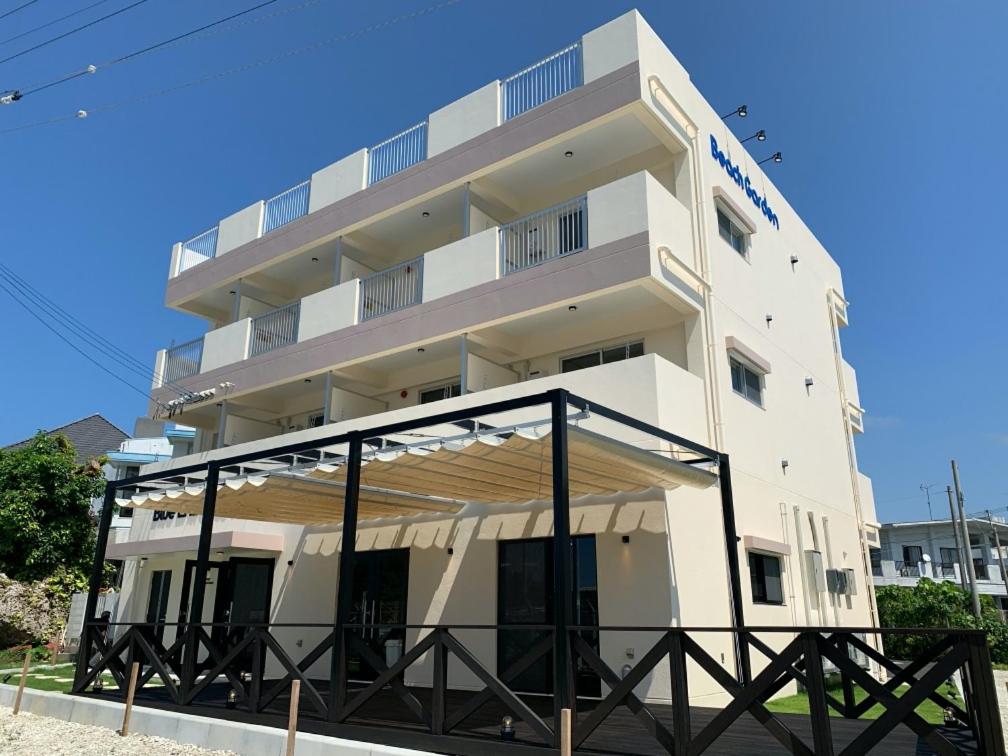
391, 289
550, 77
274, 329
554, 232
199, 249
182, 361
397, 153
286, 206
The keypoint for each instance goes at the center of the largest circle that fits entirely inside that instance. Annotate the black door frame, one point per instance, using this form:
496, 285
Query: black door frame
374, 553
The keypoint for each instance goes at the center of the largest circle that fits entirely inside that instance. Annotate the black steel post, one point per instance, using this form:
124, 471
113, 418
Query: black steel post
743, 666
344, 591
822, 735
681, 726
564, 693
195, 616
97, 573
984, 708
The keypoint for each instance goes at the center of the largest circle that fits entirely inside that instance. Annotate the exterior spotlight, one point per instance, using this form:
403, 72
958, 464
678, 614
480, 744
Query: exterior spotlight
776, 157
626, 539
759, 136
741, 111
232, 698
808, 382
794, 260
507, 730
784, 464
769, 319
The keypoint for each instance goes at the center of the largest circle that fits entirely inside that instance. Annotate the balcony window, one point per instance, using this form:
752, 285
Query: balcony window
602, 356
765, 576
875, 555
437, 393
732, 233
746, 382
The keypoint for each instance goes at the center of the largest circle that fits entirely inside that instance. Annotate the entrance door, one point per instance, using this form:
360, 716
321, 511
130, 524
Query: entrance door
243, 588
380, 583
525, 597
157, 602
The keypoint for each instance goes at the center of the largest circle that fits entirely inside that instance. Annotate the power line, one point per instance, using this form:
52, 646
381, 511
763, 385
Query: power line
66, 34
73, 346
143, 51
115, 105
19, 8
81, 330
47, 24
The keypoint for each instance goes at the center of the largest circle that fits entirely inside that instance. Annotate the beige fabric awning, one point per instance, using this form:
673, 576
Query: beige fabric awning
438, 476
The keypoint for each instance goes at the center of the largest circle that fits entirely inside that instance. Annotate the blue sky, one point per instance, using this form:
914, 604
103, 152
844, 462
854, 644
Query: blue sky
887, 114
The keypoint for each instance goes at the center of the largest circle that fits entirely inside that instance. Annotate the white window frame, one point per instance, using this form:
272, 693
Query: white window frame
733, 359
738, 228
599, 350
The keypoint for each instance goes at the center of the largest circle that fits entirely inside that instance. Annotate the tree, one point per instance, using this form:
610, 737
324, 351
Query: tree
46, 524
936, 604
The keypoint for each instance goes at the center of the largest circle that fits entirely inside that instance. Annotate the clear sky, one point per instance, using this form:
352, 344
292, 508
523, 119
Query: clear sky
888, 116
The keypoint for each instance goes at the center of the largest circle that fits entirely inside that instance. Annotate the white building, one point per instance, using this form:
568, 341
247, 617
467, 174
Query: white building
908, 551
591, 224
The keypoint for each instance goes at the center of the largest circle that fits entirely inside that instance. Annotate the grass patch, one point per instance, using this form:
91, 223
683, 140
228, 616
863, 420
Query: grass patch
929, 711
14, 657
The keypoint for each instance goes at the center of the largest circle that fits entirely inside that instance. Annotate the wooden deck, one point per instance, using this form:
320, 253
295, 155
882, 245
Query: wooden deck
386, 720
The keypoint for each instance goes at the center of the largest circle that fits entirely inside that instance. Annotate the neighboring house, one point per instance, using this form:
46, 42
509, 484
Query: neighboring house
91, 436
617, 241
908, 551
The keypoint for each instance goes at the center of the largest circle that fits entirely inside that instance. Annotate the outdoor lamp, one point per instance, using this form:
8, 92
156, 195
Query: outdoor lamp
507, 731
741, 111
950, 716
777, 157
232, 698
759, 136
99, 685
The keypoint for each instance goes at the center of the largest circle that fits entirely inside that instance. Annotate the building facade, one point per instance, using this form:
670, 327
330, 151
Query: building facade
909, 551
589, 223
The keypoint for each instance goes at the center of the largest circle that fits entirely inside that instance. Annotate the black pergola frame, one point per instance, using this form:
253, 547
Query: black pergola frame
559, 401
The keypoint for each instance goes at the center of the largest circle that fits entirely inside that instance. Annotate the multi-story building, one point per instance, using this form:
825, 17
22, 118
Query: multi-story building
590, 223
909, 551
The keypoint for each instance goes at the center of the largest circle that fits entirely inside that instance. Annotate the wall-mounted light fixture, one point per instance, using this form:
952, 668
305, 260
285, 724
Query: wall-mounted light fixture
808, 382
741, 111
784, 464
759, 136
450, 551
794, 260
769, 319
626, 539
777, 157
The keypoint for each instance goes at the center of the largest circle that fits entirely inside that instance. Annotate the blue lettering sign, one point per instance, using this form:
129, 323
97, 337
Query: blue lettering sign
735, 174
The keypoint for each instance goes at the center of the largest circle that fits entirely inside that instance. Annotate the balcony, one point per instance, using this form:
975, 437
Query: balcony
535, 85
500, 285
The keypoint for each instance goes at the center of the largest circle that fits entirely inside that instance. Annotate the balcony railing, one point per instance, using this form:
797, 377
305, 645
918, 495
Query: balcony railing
286, 206
397, 153
392, 289
274, 329
557, 231
182, 361
551, 77
199, 249
908, 569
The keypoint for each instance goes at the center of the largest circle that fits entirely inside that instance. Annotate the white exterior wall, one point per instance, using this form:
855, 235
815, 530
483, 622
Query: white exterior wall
223, 346
240, 228
329, 310
673, 571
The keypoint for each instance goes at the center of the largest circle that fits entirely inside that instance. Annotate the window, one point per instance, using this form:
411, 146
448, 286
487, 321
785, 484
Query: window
131, 471
765, 575
913, 554
980, 568
746, 381
875, 555
731, 233
602, 356
949, 558
437, 393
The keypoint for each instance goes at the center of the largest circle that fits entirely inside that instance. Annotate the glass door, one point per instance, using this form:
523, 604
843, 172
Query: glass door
380, 583
157, 602
525, 597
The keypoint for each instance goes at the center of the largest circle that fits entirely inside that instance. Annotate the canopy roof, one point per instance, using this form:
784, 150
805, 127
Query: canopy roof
441, 475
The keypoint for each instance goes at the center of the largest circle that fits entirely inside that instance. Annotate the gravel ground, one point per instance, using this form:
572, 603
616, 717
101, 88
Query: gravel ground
28, 735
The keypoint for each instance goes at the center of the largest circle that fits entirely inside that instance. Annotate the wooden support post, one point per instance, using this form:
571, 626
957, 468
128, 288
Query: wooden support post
130, 692
566, 735
21, 684
292, 716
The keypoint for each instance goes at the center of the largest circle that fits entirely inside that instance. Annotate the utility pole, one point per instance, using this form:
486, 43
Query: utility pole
955, 534
966, 541
926, 488
997, 545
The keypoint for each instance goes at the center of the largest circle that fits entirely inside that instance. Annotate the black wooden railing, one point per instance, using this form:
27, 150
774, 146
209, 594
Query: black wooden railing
234, 657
